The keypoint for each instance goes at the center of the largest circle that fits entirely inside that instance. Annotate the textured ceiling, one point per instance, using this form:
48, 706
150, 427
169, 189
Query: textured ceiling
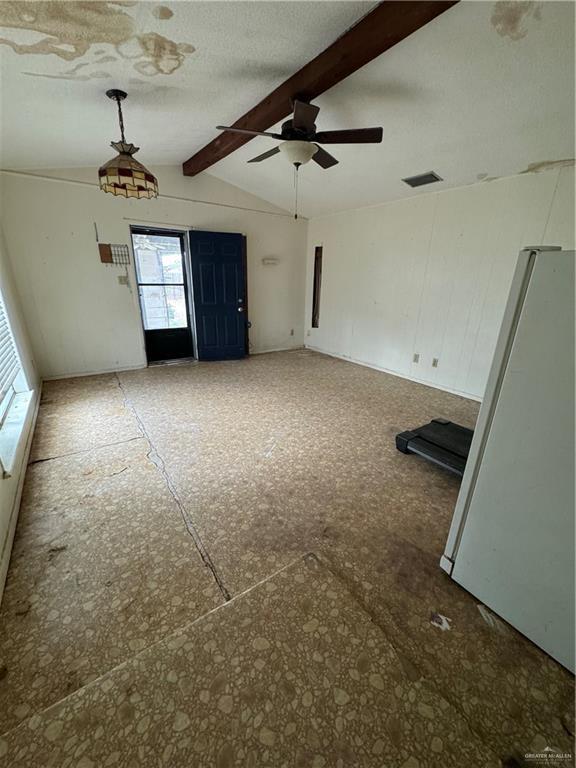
485, 90
187, 66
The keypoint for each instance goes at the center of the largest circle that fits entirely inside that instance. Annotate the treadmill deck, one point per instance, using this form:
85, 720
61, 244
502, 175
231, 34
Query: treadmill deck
441, 442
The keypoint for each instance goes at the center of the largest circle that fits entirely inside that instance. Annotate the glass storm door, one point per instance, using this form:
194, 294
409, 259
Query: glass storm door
163, 291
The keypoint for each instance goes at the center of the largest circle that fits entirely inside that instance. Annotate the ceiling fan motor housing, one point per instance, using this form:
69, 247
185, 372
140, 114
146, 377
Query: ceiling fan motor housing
290, 133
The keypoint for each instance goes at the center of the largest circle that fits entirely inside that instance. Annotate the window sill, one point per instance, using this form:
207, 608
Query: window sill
12, 430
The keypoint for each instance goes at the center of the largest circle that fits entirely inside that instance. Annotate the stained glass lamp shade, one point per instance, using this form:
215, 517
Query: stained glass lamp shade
123, 175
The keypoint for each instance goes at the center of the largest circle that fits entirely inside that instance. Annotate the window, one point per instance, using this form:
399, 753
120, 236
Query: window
9, 363
161, 280
317, 286
15, 399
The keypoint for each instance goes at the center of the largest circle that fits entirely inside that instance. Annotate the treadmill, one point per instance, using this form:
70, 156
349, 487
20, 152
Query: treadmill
441, 442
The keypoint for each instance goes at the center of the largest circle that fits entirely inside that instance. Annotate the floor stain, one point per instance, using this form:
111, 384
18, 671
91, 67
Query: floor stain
54, 551
442, 622
567, 721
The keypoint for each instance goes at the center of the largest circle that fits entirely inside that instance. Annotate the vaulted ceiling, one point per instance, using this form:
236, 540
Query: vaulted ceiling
484, 90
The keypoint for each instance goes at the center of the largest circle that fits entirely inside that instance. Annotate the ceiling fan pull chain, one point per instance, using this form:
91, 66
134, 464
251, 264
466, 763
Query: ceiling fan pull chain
296, 166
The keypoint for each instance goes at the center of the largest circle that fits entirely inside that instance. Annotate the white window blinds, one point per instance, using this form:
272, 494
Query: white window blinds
9, 362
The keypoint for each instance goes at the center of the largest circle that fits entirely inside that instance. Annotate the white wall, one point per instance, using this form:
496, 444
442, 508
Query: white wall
11, 487
426, 275
430, 275
80, 319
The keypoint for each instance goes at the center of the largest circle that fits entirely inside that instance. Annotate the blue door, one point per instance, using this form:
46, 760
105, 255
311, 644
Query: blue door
219, 286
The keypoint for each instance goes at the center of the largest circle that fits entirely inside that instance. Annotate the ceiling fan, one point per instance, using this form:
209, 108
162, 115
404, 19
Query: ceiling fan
300, 139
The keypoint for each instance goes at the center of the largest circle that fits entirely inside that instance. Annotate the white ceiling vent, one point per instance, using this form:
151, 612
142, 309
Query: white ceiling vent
421, 179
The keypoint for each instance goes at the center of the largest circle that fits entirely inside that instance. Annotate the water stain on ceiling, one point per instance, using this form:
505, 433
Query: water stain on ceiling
71, 29
72, 74
540, 167
154, 54
94, 75
162, 12
549, 165
510, 17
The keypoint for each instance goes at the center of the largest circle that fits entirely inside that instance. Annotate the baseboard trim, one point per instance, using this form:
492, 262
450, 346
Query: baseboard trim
276, 349
380, 368
79, 374
141, 366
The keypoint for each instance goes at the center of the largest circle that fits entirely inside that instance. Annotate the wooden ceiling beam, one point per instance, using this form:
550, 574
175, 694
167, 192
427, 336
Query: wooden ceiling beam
386, 25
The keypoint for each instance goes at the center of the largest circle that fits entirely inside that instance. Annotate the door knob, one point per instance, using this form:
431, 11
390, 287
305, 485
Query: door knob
240, 309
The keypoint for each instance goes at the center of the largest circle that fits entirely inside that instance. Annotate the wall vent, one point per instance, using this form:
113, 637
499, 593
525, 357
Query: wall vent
423, 178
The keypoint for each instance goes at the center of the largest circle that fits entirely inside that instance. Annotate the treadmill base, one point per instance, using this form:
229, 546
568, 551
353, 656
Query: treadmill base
441, 442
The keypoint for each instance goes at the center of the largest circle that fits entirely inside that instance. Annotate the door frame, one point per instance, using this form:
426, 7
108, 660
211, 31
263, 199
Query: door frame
245, 267
182, 234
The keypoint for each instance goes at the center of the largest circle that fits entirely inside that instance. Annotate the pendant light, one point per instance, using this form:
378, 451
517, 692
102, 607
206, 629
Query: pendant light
123, 175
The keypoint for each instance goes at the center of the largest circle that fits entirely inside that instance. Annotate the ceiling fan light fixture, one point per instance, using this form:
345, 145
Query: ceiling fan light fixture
123, 175
298, 152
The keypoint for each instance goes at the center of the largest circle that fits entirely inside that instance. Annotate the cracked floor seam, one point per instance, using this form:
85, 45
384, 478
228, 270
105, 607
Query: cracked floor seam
84, 450
154, 456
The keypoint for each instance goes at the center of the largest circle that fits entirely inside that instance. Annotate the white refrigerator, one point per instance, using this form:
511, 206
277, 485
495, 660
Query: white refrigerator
511, 542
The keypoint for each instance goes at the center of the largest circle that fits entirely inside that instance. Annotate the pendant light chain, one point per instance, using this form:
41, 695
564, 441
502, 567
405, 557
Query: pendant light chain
120, 119
124, 175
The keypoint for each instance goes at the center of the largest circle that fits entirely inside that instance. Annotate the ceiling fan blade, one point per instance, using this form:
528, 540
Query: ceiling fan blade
304, 115
248, 132
264, 155
352, 136
324, 159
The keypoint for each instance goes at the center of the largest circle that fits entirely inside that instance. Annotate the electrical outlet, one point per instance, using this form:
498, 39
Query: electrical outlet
123, 279
308, 333
434, 362
291, 331
416, 358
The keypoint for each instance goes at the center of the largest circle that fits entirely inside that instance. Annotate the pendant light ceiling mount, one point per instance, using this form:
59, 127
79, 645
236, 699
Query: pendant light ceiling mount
116, 94
123, 175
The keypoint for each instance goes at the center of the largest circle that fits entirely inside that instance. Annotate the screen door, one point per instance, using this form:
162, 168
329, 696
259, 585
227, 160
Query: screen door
163, 291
